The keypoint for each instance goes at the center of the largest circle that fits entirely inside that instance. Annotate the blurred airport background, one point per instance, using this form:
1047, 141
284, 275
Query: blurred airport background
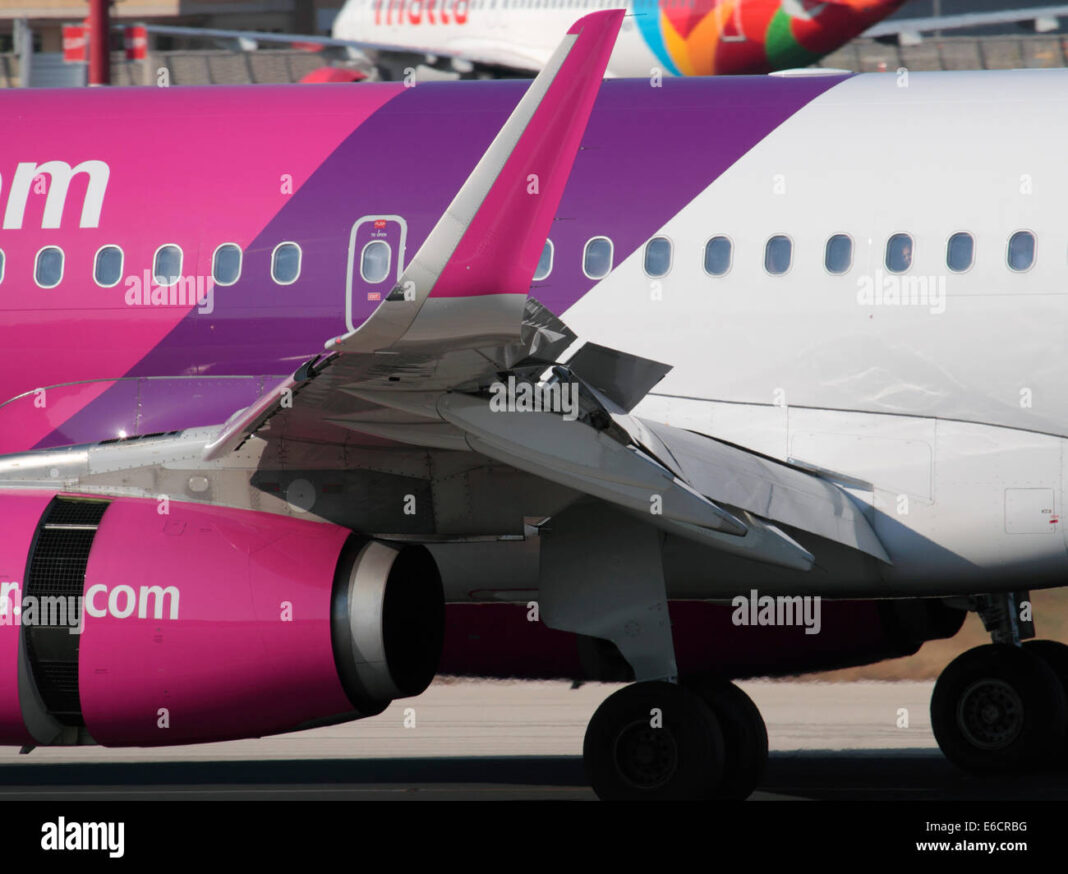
32, 36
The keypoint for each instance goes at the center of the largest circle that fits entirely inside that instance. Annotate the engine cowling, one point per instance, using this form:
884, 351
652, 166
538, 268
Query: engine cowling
133, 622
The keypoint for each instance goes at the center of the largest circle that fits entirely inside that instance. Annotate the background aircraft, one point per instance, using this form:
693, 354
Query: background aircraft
680, 37
510, 37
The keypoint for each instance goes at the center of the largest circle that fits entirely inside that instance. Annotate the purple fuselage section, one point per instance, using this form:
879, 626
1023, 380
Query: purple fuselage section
258, 166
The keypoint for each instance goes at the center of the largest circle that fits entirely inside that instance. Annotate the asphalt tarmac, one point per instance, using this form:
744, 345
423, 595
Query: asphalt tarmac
512, 740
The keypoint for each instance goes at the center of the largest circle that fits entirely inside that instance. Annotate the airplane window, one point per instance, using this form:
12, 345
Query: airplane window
374, 262
960, 251
107, 267
285, 263
657, 256
839, 255
226, 264
48, 267
1021, 251
717, 256
167, 265
899, 253
777, 254
545, 262
1, 265
597, 259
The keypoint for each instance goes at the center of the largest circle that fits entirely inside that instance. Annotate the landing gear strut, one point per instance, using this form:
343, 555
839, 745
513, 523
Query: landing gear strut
601, 575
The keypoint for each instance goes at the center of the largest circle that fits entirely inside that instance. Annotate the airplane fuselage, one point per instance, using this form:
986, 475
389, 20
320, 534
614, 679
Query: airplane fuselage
933, 391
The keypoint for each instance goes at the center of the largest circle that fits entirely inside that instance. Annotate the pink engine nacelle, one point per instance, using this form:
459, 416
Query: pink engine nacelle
132, 622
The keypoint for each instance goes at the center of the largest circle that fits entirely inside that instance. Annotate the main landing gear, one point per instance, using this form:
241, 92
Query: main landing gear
1003, 707
601, 575
665, 741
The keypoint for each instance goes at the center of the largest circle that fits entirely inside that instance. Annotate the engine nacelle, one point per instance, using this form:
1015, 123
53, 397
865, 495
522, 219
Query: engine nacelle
133, 622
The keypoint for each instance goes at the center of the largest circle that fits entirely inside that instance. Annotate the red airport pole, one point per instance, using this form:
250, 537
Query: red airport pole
99, 52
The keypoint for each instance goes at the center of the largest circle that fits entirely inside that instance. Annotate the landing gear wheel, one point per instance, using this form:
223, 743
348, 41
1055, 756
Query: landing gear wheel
655, 741
1055, 654
998, 708
745, 737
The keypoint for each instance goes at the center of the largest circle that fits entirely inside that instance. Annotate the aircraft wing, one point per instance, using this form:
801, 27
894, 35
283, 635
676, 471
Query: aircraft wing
916, 26
425, 368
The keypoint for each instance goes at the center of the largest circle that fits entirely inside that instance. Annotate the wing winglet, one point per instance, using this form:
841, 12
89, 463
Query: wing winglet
487, 244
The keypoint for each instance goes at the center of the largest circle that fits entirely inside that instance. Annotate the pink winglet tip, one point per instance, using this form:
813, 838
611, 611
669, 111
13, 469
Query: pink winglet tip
606, 19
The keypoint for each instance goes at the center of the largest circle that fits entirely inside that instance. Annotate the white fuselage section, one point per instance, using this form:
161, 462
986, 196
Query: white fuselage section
948, 414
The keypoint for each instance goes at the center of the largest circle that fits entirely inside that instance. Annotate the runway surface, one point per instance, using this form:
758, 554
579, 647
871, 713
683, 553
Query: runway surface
491, 740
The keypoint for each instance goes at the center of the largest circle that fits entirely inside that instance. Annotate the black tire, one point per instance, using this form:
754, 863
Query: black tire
627, 758
1055, 654
998, 708
745, 737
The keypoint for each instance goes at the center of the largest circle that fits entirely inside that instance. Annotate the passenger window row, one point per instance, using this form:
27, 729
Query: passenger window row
598, 255
48, 265
898, 256
778, 255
